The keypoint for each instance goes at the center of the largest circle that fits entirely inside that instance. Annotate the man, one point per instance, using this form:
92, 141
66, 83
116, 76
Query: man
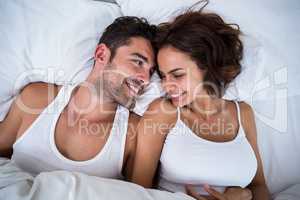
84, 127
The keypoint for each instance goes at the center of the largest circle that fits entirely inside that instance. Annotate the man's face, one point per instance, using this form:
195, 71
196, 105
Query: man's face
128, 73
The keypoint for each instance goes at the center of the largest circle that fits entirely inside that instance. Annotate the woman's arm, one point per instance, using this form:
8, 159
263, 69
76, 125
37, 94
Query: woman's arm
258, 185
152, 131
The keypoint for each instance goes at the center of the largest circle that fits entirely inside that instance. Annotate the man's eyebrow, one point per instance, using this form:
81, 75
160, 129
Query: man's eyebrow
145, 59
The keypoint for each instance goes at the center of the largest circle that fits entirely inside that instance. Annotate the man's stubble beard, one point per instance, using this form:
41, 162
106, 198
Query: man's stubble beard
111, 87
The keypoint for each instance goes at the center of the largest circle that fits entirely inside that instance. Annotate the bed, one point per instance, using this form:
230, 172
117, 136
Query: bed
53, 41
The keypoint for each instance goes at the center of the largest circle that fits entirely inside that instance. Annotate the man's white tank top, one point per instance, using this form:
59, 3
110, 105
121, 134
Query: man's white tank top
35, 151
189, 159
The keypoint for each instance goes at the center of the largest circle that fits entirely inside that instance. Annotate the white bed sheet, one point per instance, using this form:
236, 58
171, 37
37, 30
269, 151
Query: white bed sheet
16, 184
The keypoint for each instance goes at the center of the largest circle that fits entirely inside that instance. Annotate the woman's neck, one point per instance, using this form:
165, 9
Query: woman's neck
207, 106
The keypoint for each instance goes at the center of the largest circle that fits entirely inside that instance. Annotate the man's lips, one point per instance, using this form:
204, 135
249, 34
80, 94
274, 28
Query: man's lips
135, 89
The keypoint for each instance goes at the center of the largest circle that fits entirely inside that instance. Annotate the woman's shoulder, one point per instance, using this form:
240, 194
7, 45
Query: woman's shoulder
246, 111
162, 109
244, 108
162, 106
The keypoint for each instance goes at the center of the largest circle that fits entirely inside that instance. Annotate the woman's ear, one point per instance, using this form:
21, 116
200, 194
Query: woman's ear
102, 55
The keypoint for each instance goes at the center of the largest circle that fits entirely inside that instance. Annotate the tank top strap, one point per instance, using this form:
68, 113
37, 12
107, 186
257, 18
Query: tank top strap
64, 93
238, 111
241, 129
121, 121
178, 114
120, 129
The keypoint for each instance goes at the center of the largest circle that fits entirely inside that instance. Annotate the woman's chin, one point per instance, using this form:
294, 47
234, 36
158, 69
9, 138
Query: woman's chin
178, 102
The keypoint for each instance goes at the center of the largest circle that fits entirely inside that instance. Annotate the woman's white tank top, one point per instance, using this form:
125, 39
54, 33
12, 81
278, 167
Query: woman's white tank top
189, 159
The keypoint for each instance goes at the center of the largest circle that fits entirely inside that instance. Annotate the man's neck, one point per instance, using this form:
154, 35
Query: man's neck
85, 103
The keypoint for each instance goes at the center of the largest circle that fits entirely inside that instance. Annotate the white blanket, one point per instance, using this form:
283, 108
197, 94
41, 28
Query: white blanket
16, 184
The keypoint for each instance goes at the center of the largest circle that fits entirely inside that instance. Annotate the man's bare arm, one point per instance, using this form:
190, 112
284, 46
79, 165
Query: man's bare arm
30, 102
8, 130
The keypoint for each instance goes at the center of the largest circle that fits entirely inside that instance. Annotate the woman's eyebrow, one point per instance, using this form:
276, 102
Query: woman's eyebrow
174, 70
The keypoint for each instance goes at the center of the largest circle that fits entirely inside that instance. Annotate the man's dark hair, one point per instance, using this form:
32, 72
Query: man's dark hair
123, 29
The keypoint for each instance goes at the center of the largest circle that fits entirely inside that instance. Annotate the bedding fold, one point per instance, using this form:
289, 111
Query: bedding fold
18, 185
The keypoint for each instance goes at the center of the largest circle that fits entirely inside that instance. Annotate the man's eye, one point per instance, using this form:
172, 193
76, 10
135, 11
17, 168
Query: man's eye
138, 62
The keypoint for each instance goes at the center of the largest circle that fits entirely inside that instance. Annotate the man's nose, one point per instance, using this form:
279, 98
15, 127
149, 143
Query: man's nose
144, 77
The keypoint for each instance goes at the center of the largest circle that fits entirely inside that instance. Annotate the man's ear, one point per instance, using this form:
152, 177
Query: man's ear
102, 54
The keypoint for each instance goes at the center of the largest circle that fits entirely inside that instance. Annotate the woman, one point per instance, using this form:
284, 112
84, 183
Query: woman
203, 143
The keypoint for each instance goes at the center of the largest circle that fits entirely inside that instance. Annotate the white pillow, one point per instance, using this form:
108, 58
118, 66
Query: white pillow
54, 43
291, 193
47, 41
155, 11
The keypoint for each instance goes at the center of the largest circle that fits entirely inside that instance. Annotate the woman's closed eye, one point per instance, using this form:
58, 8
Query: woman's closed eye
178, 75
173, 77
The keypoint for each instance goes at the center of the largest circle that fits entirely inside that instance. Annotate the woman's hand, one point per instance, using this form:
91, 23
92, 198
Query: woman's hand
213, 194
238, 193
232, 193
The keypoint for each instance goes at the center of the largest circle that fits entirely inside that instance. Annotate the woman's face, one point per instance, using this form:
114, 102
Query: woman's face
181, 78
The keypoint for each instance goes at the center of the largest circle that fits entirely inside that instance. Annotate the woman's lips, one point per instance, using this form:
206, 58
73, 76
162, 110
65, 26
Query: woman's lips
177, 97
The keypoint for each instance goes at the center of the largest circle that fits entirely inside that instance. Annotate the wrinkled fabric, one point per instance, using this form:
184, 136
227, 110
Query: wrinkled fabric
16, 184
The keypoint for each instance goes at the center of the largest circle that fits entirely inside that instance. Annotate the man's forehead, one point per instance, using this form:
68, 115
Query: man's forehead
139, 46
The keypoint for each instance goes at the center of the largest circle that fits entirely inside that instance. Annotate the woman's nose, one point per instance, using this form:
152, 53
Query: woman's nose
169, 86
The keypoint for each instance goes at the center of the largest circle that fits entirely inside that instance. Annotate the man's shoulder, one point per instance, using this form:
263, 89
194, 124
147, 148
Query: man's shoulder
34, 97
133, 118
